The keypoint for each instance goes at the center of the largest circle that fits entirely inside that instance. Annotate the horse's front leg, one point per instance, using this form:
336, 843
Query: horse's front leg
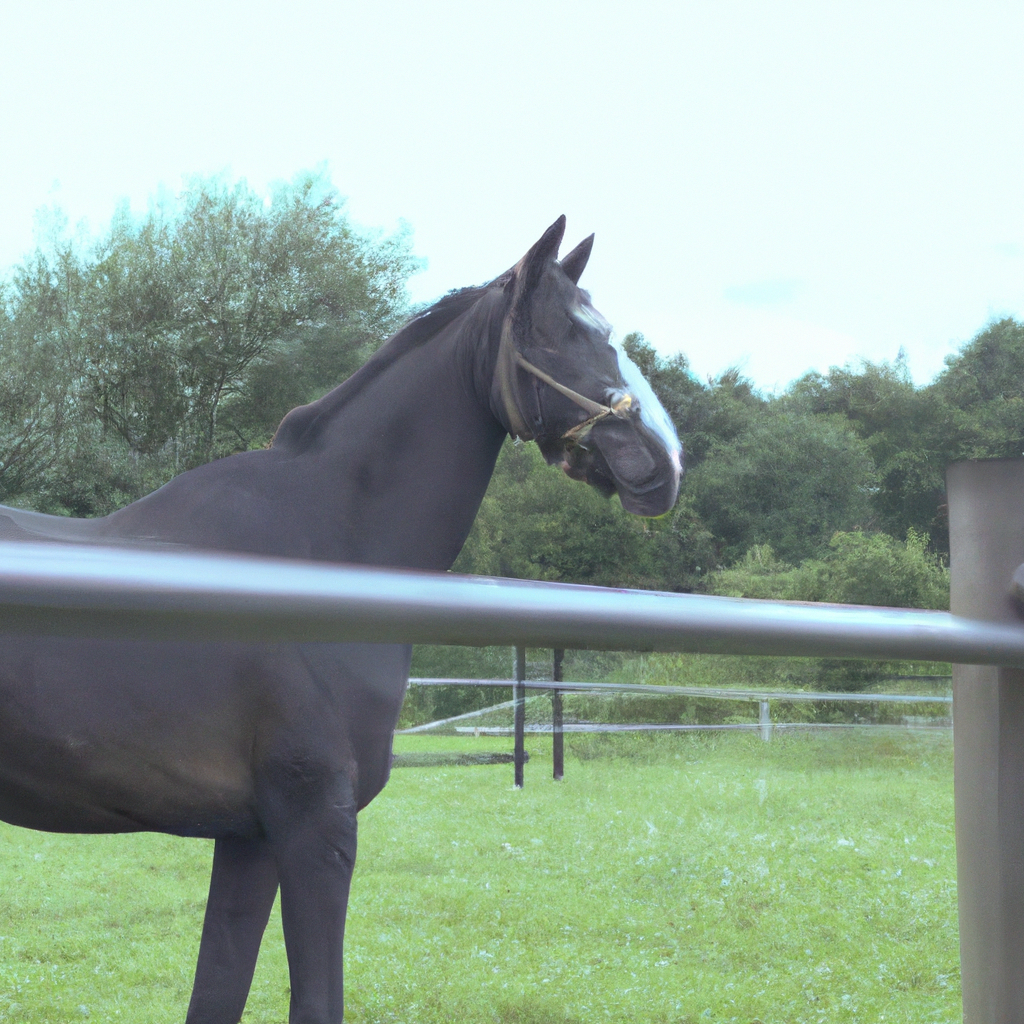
242, 890
315, 850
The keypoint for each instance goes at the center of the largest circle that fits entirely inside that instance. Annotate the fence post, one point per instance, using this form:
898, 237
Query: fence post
557, 739
519, 696
986, 531
765, 721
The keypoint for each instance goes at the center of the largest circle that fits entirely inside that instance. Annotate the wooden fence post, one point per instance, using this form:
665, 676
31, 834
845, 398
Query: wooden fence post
986, 530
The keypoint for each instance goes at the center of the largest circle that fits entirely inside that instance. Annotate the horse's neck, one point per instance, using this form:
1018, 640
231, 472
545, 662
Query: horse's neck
389, 469
404, 464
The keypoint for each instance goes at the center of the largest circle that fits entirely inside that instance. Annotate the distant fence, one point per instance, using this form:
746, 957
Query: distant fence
555, 688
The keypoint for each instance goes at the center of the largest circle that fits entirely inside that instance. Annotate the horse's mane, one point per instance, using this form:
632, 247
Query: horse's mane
301, 425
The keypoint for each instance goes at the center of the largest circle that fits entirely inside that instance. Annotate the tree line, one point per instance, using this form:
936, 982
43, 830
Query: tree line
185, 333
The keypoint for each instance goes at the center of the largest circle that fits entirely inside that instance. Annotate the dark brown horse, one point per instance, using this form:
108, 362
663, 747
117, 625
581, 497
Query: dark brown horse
272, 749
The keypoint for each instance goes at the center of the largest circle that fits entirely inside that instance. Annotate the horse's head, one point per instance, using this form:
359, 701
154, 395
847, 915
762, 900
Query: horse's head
561, 382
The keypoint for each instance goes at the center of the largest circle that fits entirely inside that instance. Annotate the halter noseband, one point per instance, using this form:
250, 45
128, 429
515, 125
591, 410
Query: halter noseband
597, 411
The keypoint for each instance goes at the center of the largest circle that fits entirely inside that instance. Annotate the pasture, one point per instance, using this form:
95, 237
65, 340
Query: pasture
678, 878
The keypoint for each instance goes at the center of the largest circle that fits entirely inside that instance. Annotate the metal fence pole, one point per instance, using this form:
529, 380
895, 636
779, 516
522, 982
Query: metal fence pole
519, 696
986, 527
765, 721
557, 739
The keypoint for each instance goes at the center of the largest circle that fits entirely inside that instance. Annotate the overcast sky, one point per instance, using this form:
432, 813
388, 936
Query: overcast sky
778, 185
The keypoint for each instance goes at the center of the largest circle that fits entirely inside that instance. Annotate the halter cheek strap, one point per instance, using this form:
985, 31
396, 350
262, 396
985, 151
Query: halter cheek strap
597, 411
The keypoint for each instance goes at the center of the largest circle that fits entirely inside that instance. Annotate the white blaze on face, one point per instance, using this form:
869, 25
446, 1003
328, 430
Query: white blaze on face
652, 412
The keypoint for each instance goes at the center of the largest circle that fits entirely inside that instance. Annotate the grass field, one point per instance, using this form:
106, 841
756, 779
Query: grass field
667, 879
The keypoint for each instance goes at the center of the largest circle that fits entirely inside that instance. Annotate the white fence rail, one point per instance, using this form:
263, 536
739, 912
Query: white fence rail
555, 688
713, 692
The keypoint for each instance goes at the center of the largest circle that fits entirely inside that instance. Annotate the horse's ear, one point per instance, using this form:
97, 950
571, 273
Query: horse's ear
545, 249
575, 263
519, 285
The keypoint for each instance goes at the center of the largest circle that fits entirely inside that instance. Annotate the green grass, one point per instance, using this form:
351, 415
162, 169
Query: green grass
667, 879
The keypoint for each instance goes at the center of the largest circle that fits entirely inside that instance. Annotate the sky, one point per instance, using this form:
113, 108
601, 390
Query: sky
779, 186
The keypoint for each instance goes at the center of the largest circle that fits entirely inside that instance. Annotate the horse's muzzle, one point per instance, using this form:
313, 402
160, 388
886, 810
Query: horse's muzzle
622, 457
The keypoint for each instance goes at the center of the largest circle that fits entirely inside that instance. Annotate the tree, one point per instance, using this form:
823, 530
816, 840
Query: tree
204, 291
983, 385
988, 370
911, 433
974, 409
186, 334
789, 480
855, 568
24, 408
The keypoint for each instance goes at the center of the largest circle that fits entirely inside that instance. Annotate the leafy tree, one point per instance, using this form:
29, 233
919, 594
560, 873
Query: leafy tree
24, 408
983, 385
988, 370
907, 432
185, 334
760, 574
47, 304
789, 480
202, 291
974, 409
856, 568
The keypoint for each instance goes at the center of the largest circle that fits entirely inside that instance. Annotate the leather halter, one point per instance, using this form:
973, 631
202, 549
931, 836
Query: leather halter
597, 411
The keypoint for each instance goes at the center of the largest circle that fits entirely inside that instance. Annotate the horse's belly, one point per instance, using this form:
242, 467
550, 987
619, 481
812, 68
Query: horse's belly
78, 789
108, 736
102, 738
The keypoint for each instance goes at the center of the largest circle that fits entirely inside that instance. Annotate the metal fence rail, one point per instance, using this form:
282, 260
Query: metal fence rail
556, 687
64, 589
590, 727
715, 692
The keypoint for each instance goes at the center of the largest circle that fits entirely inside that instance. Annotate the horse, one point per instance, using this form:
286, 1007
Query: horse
272, 749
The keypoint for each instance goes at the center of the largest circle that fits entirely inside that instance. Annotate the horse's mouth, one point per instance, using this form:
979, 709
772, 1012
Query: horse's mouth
646, 481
